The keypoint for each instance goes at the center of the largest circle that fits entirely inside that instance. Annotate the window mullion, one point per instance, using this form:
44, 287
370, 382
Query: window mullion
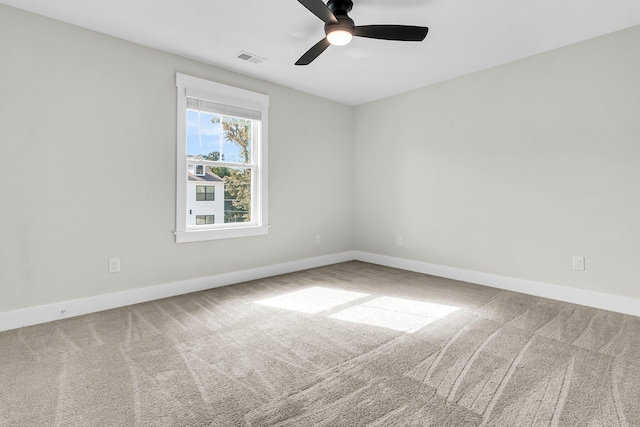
217, 163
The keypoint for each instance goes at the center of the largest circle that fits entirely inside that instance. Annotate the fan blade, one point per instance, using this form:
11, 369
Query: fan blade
318, 8
314, 52
407, 33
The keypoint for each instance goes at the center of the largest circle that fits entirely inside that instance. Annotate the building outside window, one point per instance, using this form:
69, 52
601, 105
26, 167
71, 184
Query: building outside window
201, 191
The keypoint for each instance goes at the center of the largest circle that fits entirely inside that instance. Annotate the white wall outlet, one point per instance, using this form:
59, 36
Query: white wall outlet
114, 265
317, 239
578, 263
399, 240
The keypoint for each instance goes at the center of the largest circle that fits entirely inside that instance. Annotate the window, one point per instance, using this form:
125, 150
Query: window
205, 193
221, 141
205, 219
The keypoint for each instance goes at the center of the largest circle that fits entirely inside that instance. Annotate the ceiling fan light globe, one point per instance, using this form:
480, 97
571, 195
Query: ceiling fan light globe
339, 37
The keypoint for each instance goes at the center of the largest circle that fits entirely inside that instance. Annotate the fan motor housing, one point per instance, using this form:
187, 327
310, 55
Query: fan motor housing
344, 23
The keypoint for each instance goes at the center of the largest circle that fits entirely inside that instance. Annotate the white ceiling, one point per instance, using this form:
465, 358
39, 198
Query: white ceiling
464, 36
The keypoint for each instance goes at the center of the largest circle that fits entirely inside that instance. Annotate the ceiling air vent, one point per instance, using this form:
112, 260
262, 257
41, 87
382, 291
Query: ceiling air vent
250, 58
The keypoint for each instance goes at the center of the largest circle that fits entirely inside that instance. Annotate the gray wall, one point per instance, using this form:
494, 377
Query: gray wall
513, 170
87, 168
508, 171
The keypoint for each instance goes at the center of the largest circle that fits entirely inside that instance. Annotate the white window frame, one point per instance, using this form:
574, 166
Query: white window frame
228, 95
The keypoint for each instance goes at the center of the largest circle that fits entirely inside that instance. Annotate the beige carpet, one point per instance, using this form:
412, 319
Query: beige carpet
347, 345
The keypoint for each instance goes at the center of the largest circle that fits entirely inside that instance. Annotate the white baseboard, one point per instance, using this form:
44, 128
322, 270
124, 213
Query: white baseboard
47, 313
600, 300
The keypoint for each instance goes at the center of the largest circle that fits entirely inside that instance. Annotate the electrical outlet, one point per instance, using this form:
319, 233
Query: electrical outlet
578, 263
114, 265
399, 240
317, 239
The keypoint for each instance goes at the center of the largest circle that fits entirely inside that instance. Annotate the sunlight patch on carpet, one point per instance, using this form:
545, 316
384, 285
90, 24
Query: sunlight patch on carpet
399, 314
395, 313
312, 300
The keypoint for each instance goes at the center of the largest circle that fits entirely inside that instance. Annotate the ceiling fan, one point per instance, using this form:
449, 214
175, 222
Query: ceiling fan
339, 28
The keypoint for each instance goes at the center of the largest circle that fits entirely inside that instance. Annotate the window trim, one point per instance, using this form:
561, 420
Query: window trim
223, 94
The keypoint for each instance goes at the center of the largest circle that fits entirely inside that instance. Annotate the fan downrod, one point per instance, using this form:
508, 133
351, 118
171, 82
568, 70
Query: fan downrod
340, 7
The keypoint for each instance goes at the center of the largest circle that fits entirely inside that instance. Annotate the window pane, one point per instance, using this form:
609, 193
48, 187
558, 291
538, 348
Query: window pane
237, 195
205, 219
203, 133
210, 193
236, 134
205, 193
218, 138
200, 193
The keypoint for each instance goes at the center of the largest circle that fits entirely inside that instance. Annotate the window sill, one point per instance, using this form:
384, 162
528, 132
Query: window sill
225, 233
